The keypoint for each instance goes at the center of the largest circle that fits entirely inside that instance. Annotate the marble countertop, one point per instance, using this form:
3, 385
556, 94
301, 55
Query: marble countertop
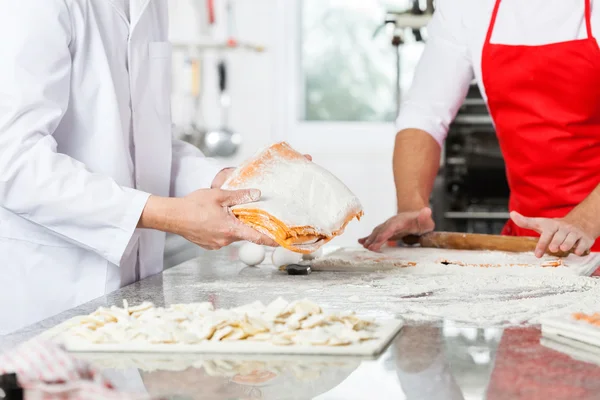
426, 361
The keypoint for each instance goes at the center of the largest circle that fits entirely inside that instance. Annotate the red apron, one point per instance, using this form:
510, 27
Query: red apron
545, 103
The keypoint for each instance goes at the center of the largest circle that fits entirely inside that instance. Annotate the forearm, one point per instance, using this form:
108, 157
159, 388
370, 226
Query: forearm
416, 164
163, 214
587, 213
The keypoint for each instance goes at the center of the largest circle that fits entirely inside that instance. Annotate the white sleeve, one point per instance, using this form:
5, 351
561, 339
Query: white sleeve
190, 170
442, 76
37, 183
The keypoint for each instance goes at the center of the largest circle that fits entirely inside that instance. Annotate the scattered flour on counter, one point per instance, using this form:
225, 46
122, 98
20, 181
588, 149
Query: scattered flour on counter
465, 295
430, 260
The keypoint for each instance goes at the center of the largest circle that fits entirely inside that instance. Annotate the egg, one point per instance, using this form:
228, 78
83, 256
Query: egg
282, 256
251, 254
313, 256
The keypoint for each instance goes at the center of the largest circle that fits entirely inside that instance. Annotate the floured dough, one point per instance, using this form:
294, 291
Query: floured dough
280, 322
302, 207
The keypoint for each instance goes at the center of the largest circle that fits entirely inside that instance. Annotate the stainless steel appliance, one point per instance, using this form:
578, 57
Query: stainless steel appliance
471, 191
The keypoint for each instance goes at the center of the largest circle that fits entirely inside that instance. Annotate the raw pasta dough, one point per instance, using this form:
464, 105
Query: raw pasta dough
301, 322
303, 206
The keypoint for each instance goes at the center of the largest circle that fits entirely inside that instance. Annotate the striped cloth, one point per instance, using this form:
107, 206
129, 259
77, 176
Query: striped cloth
46, 371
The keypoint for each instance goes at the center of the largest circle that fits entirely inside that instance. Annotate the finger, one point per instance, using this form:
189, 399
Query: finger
583, 245
374, 236
378, 244
570, 240
244, 232
526, 222
371, 237
382, 237
543, 242
221, 177
558, 239
234, 197
308, 157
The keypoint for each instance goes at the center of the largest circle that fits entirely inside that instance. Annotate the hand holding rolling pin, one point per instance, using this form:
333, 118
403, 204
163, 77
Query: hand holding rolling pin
557, 234
403, 224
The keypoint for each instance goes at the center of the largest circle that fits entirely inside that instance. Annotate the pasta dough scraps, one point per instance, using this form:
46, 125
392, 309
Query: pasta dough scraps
282, 323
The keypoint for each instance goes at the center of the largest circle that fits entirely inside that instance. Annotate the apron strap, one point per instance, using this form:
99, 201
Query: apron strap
493, 22
588, 18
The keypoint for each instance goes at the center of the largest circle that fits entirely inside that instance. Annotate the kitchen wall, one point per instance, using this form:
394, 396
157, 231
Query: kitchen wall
254, 109
250, 74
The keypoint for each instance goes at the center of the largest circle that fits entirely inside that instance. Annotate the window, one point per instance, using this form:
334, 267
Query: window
337, 81
348, 73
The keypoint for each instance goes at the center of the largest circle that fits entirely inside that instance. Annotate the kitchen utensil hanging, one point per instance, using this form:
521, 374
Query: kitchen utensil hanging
194, 133
222, 142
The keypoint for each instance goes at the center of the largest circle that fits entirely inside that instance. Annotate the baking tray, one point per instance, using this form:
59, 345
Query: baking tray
386, 332
569, 328
573, 348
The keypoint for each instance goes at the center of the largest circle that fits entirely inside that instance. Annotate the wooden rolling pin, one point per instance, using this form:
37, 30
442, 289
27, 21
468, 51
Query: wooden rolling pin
474, 241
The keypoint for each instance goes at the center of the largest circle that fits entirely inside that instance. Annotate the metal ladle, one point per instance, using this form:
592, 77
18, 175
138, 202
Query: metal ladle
221, 142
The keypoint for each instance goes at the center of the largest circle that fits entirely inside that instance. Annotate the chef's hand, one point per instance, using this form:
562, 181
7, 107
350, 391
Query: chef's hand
557, 233
203, 217
212, 225
403, 224
224, 174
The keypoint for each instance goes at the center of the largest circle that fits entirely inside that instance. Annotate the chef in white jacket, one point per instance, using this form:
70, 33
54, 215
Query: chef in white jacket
90, 176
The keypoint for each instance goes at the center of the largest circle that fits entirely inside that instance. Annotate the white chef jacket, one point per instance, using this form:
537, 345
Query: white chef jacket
85, 138
452, 54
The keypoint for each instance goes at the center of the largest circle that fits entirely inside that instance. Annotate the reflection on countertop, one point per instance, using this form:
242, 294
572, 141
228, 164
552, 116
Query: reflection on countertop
427, 361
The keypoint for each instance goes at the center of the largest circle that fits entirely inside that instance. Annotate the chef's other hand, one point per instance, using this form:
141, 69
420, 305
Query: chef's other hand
203, 217
403, 224
556, 234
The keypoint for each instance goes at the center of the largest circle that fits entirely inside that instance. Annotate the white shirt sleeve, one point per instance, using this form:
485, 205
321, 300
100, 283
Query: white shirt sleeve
37, 182
442, 76
190, 170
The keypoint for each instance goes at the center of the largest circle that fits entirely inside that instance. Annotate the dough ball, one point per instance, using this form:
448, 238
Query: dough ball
251, 254
282, 256
313, 256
